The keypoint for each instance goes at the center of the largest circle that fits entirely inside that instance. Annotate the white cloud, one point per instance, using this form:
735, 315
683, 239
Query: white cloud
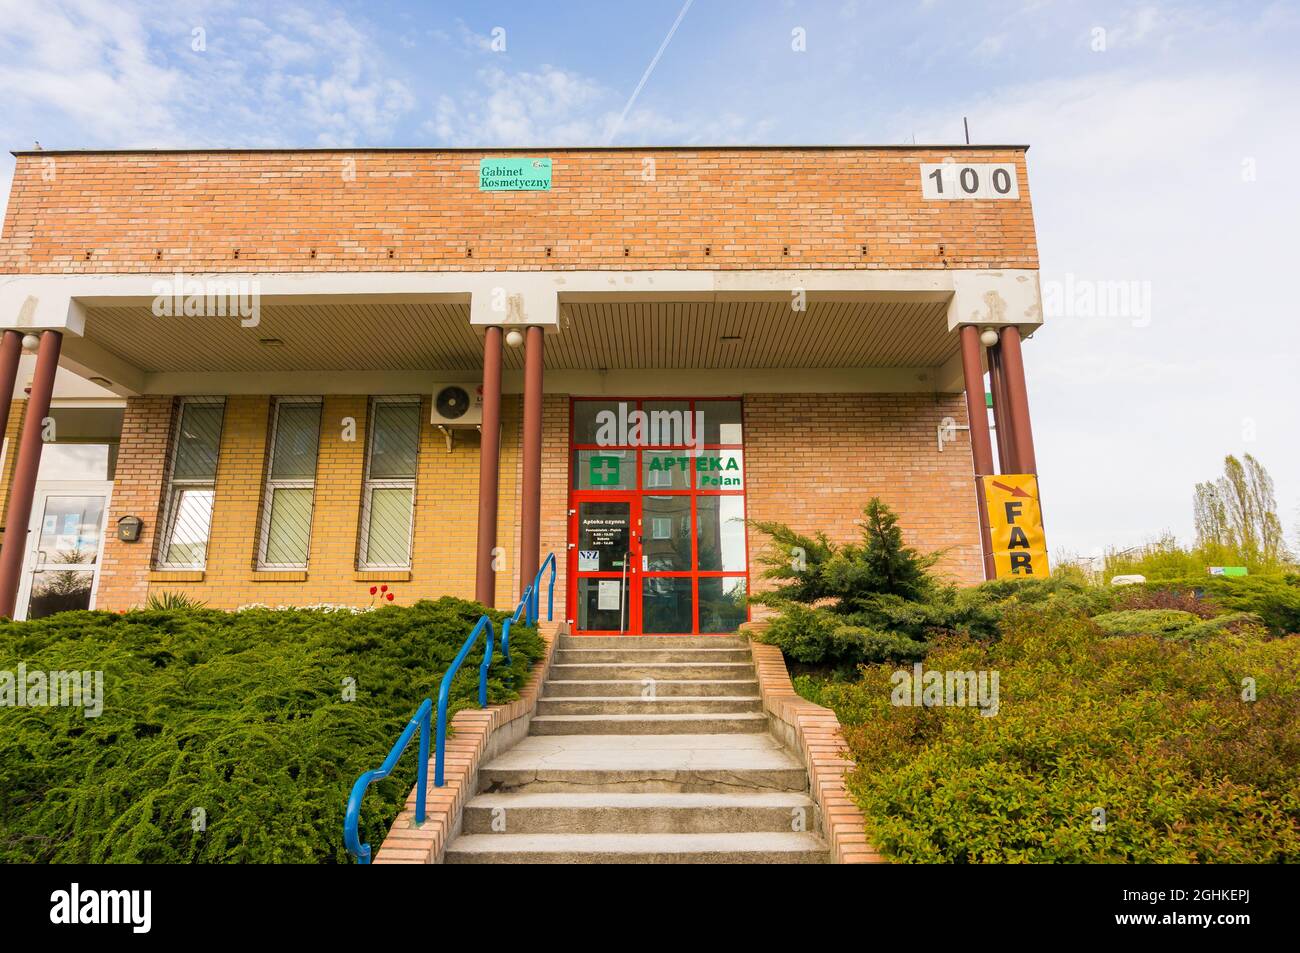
1138, 176
89, 63
549, 106
125, 75
554, 106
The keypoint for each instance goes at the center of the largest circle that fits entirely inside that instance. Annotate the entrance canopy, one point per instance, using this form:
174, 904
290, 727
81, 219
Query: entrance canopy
395, 333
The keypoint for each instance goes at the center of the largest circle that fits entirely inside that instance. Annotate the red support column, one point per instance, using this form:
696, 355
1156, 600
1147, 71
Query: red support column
980, 444
530, 518
1013, 376
1001, 419
11, 349
19, 512
489, 470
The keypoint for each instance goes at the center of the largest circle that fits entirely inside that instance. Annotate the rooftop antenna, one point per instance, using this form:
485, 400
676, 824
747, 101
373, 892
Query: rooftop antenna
965, 125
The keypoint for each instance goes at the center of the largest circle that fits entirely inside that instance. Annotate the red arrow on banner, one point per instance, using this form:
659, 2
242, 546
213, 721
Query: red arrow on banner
1013, 490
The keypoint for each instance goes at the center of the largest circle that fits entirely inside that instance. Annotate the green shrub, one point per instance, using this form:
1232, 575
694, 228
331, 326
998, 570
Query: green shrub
1274, 599
1143, 597
860, 602
819, 636
1171, 623
240, 716
1154, 732
1146, 621
173, 600
1066, 593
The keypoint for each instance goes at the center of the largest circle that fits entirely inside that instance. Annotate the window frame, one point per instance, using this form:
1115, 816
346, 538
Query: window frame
270, 485
644, 485
174, 489
369, 485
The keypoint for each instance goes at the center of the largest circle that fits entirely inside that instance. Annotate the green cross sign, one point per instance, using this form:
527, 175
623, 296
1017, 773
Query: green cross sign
604, 471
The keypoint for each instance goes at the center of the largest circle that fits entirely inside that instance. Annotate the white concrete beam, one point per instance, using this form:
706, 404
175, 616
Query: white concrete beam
995, 298
87, 359
669, 383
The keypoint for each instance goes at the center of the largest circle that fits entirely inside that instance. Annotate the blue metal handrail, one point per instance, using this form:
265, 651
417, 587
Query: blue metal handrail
511, 620
444, 690
352, 819
530, 608
536, 591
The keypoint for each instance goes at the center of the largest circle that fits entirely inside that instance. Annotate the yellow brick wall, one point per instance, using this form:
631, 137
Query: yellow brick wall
864, 445
17, 411
446, 512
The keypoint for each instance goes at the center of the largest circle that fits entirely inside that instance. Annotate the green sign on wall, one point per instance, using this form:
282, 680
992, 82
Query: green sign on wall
514, 175
604, 471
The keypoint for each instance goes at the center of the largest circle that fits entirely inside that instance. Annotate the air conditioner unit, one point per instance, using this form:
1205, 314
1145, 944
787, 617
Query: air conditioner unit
457, 405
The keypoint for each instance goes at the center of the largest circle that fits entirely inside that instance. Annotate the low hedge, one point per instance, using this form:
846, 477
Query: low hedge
1275, 598
1155, 732
1172, 623
225, 737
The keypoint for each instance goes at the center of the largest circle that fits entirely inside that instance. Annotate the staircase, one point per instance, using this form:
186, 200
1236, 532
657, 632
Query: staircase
644, 750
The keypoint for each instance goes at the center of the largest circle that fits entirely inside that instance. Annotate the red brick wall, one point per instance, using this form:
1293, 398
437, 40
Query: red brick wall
814, 460
423, 211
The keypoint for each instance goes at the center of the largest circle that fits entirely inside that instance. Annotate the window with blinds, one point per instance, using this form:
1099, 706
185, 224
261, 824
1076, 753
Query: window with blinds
290, 484
388, 495
191, 483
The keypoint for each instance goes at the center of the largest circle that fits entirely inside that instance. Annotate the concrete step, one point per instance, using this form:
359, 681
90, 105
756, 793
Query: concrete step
636, 705
752, 848
663, 687
642, 670
605, 813
650, 724
632, 764
653, 642
580, 656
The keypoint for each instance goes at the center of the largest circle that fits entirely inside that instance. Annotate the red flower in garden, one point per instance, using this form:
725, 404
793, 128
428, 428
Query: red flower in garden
390, 597
373, 590
383, 588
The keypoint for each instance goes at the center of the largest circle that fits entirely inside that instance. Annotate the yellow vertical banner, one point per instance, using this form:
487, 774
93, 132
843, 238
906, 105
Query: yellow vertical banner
1015, 526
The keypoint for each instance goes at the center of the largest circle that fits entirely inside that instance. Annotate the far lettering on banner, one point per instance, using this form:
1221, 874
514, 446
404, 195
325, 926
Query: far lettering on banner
1015, 526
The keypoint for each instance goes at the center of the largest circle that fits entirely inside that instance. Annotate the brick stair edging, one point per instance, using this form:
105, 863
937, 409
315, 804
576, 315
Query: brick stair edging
814, 732
477, 735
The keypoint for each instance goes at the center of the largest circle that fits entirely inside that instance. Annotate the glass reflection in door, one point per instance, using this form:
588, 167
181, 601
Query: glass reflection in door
67, 552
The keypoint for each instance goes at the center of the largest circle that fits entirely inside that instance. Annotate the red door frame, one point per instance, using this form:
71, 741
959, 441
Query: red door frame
633, 602
637, 491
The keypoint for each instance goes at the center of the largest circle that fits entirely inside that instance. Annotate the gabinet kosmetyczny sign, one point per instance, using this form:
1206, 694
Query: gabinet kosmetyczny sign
514, 175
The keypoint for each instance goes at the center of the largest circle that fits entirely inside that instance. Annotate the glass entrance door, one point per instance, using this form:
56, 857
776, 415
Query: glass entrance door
604, 564
673, 471
65, 541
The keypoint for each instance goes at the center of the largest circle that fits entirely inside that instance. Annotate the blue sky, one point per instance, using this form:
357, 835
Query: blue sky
1162, 153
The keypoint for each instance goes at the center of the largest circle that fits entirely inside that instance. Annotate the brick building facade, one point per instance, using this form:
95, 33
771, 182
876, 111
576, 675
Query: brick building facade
820, 308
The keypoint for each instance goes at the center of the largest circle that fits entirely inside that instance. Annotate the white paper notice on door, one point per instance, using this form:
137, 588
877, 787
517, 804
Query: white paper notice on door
609, 593
588, 560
